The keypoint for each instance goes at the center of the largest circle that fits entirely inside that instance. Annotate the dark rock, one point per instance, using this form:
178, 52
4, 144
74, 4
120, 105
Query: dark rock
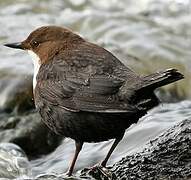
166, 157
29, 133
16, 93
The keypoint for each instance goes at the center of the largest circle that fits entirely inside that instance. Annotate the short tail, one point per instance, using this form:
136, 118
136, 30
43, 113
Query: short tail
161, 78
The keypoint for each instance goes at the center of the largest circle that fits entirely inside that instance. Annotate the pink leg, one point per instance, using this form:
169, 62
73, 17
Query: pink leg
116, 142
77, 151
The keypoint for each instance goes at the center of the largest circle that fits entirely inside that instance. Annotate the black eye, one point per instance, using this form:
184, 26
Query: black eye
35, 44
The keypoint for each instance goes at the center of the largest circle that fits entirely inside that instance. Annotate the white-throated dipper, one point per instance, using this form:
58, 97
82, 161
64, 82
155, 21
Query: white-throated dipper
84, 92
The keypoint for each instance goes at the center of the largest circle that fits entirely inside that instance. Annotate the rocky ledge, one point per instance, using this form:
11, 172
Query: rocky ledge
166, 157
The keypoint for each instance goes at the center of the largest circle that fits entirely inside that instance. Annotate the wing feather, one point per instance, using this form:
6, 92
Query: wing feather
82, 81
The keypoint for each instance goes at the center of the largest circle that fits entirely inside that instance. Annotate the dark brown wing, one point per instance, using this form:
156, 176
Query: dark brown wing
98, 95
81, 81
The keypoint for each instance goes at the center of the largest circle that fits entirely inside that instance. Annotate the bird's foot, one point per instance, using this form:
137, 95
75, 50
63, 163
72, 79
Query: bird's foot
68, 176
98, 172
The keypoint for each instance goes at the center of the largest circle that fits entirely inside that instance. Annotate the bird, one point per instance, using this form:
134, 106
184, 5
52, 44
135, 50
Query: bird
83, 92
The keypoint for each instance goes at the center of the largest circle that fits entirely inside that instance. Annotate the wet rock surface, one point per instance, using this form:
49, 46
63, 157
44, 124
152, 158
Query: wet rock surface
166, 157
29, 133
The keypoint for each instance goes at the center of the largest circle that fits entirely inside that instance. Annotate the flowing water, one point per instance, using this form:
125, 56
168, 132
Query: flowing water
156, 32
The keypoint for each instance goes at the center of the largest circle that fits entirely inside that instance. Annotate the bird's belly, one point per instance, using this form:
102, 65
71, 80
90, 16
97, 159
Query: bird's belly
92, 127
87, 126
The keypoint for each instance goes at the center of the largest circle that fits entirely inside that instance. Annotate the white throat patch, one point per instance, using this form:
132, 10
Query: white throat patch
36, 62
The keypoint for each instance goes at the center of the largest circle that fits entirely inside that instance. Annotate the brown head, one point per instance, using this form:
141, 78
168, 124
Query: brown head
46, 41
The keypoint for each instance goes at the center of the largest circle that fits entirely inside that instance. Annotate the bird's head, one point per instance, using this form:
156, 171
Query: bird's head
46, 41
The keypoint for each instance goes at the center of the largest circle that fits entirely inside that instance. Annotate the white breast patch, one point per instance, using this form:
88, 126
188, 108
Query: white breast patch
36, 62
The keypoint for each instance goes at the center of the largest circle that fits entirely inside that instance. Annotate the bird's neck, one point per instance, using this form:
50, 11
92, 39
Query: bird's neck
36, 63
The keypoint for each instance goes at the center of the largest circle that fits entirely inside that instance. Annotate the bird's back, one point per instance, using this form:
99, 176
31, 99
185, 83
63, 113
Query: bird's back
86, 86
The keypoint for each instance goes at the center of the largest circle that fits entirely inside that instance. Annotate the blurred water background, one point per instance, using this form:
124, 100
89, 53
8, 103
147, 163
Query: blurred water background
147, 35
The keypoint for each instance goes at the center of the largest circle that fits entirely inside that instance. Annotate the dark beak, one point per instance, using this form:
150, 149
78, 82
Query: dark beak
17, 45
